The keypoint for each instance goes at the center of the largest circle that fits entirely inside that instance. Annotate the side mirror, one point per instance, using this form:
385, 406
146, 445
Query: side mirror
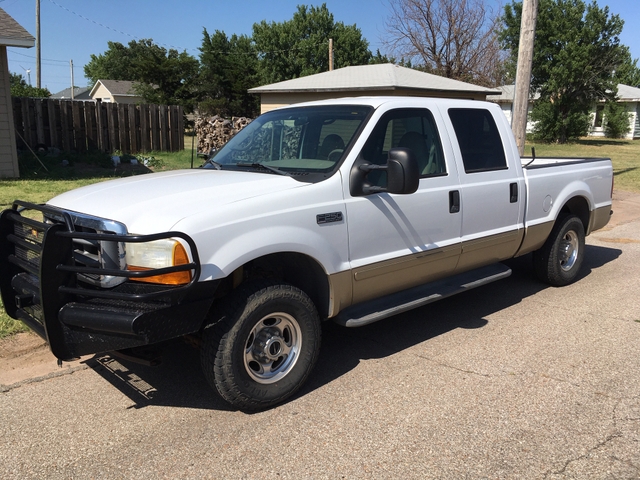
403, 175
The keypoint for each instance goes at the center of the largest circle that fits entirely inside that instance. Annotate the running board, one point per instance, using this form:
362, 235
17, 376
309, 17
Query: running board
380, 308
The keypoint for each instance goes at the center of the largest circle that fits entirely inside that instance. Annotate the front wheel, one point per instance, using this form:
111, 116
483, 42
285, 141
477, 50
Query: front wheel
262, 345
559, 260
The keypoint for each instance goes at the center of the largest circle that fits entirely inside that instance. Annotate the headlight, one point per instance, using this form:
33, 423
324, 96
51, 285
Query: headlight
158, 254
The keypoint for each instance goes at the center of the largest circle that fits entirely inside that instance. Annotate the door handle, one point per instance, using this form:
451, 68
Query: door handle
513, 193
454, 201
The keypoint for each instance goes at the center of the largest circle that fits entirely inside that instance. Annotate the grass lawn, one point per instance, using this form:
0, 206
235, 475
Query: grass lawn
38, 185
625, 155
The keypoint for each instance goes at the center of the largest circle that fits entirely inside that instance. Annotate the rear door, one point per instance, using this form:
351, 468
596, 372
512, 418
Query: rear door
491, 189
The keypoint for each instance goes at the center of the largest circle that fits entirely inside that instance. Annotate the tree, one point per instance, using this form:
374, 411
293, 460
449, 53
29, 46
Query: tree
19, 88
628, 72
451, 38
163, 76
228, 68
300, 46
576, 53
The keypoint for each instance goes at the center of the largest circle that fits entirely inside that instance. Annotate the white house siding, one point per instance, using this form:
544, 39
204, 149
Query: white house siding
8, 154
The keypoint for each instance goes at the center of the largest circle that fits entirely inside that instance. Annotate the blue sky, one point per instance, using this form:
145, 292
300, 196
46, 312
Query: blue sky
75, 29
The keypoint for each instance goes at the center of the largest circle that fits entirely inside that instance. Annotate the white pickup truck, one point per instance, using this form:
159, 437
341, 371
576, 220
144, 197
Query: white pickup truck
351, 210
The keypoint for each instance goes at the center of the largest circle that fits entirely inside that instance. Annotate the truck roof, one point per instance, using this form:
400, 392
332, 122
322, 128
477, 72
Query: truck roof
376, 101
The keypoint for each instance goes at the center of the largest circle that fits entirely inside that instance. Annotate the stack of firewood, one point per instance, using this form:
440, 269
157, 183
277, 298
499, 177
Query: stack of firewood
214, 132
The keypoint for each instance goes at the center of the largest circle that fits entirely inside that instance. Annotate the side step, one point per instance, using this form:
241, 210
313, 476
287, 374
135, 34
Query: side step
379, 308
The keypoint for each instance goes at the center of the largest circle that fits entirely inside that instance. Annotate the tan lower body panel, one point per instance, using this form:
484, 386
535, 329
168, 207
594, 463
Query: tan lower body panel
487, 250
391, 276
599, 218
534, 237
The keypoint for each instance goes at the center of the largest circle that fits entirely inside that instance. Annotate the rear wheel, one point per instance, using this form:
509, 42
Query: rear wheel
559, 260
262, 345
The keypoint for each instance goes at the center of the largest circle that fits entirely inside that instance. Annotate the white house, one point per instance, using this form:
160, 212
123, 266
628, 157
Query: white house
630, 96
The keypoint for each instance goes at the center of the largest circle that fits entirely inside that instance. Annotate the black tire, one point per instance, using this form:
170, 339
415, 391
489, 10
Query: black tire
559, 260
261, 344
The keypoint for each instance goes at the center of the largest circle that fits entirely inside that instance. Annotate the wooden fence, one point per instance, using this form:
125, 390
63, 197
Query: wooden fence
75, 126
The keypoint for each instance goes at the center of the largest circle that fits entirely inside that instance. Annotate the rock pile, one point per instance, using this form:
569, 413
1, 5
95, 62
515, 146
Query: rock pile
213, 132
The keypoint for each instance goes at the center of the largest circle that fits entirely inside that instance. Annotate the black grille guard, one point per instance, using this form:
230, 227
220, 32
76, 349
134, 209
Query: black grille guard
39, 275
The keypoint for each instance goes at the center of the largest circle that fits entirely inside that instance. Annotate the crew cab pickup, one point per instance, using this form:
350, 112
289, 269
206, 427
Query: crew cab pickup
352, 210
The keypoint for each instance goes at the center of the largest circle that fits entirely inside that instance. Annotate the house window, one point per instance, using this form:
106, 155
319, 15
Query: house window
597, 123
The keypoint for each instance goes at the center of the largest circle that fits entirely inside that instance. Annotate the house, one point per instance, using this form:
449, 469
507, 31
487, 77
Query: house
12, 34
115, 91
383, 79
630, 96
505, 100
79, 93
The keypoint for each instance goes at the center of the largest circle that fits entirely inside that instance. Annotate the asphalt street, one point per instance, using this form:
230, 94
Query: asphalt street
513, 380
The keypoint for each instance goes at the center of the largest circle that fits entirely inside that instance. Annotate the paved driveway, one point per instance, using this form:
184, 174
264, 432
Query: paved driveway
512, 380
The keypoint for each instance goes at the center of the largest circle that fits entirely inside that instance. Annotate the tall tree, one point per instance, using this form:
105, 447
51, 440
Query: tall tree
163, 76
228, 68
19, 88
576, 53
452, 38
300, 46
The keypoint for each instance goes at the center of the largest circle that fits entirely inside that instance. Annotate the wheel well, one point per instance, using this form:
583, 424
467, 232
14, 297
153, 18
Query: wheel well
578, 206
294, 268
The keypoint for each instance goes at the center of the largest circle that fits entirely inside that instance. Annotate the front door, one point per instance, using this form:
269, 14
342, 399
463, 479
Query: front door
399, 241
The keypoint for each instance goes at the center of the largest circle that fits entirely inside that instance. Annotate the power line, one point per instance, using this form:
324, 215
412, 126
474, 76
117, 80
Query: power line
112, 29
168, 45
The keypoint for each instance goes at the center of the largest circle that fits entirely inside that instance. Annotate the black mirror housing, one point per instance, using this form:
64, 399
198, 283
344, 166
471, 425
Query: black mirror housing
403, 176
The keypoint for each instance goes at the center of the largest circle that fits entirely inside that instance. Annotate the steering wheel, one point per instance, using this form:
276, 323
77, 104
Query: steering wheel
337, 153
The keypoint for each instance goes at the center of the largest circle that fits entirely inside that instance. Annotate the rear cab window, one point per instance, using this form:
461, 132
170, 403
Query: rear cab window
479, 140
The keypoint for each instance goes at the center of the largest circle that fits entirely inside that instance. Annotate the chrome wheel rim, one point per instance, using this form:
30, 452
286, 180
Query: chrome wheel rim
272, 348
569, 248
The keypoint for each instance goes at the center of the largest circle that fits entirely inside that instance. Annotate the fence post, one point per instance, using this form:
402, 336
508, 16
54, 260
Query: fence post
133, 130
145, 134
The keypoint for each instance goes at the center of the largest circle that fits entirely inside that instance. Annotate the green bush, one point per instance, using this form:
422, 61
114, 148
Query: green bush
556, 122
616, 120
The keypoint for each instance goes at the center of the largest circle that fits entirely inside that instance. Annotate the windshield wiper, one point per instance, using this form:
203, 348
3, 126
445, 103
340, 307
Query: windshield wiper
263, 166
215, 164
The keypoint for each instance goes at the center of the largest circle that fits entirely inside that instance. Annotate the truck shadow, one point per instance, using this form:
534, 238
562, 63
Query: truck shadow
179, 382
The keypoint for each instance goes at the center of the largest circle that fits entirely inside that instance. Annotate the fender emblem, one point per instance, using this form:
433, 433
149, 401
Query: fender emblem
329, 218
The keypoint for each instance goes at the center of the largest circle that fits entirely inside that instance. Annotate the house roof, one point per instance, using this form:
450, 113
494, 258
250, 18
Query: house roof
12, 34
80, 93
122, 88
626, 93
371, 77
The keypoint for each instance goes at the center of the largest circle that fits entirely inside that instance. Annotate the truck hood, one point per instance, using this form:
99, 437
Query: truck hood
156, 202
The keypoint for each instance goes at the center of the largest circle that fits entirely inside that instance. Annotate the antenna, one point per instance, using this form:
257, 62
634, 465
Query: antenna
28, 71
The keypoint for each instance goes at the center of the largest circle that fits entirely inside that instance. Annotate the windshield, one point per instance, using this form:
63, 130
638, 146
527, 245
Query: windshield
300, 139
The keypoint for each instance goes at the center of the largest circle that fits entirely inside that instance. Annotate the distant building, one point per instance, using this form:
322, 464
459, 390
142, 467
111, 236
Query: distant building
11, 35
115, 91
629, 96
79, 93
371, 80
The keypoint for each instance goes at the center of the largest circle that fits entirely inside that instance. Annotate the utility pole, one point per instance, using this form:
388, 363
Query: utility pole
72, 88
523, 72
330, 54
38, 66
